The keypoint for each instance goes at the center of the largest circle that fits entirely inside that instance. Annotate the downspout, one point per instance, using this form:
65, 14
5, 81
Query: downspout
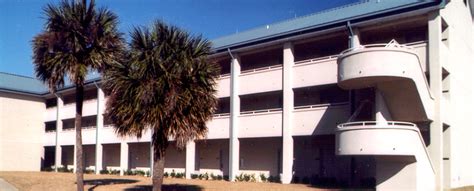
230, 53
351, 42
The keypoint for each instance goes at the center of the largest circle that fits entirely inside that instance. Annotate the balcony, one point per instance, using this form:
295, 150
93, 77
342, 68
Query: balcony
395, 70
89, 107
218, 127
223, 86
315, 72
257, 80
319, 119
260, 123
383, 138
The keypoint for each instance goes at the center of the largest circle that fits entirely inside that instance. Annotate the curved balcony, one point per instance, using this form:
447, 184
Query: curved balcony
396, 71
377, 138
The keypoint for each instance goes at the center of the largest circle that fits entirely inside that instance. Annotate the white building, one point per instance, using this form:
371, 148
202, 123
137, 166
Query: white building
376, 93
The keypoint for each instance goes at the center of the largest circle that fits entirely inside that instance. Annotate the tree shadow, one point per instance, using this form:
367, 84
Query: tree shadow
107, 181
167, 187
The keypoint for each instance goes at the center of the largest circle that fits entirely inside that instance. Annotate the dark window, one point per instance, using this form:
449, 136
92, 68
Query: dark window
223, 106
86, 122
261, 101
50, 126
52, 102
320, 95
320, 48
224, 66
88, 95
267, 58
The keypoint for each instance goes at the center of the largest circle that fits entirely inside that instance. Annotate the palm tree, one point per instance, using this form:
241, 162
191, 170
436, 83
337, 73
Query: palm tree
166, 87
77, 38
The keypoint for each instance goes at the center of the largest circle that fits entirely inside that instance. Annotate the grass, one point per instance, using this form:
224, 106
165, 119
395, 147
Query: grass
66, 181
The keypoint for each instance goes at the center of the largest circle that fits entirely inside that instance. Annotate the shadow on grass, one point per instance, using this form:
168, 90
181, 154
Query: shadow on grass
107, 181
167, 187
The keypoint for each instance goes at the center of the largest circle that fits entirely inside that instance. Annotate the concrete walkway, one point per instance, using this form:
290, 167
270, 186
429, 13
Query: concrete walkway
5, 186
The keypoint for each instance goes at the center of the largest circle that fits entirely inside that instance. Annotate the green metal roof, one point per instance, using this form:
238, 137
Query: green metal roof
340, 15
364, 8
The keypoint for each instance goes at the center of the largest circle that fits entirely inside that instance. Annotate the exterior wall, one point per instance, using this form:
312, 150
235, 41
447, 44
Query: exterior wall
21, 131
260, 156
111, 156
212, 156
457, 57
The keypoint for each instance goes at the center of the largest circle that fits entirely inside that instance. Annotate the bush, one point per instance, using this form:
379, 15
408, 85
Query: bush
139, 172
104, 172
114, 172
166, 175
194, 176
173, 174
263, 178
240, 178
47, 169
179, 175
226, 177
64, 169
213, 177
129, 172
147, 173
89, 171
219, 177
206, 176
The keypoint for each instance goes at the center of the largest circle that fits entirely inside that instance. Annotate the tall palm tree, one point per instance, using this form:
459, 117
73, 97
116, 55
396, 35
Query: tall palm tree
76, 38
166, 87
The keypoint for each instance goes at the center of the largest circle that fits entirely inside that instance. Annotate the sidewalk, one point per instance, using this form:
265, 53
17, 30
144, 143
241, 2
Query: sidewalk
5, 186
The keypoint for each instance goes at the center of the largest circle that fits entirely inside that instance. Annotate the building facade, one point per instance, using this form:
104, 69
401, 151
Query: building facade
373, 94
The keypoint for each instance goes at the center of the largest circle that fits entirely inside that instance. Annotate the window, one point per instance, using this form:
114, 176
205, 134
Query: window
52, 102
320, 95
50, 126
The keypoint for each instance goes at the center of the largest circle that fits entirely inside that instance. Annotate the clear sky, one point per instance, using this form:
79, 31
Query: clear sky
20, 20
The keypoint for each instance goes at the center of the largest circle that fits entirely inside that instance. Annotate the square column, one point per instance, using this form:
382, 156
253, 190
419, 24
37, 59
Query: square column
354, 40
190, 158
234, 117
436, 127
98, 129
288, 105
59, 128
123, 157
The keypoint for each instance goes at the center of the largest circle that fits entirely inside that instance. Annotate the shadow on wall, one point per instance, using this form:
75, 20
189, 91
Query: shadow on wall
330, 119
101, 182
171, 187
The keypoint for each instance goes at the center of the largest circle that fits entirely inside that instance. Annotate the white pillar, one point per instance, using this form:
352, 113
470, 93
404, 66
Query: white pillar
59, 128
288, 105
234, 119
435, 147
100, 125
123, 157
190, 158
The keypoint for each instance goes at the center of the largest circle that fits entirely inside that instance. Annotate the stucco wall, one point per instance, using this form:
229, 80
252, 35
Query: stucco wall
21, 132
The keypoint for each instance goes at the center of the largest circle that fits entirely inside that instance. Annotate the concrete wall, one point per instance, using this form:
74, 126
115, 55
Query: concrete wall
111, 156
21, 132
260, 155
212, 156
458, 86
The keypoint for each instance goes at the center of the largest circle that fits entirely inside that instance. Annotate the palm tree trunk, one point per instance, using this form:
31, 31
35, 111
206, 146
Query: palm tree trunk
160, 143
79, 154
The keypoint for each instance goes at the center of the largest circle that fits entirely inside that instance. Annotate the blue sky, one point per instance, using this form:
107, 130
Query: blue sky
20, 20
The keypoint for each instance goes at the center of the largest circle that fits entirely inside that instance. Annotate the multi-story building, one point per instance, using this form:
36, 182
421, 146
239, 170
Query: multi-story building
376, 93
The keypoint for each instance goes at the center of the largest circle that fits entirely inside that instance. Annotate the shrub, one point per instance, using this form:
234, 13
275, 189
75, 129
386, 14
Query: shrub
64, 169
173, 174
194, 176
219, 177
206, 176
213, 177
226, 177
147, 173
89, 171
179, 175
114, 172
240, 178
139, 172
263, 178
166, 174
252, 178
104, 171
201, 176
130, 172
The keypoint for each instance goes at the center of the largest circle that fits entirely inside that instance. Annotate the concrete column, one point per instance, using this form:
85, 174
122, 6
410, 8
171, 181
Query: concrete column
381, 111
59, 128
288, 105
190, 158
435, 147
355, 38
98, 129
74, 157
123, 157
234, 147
